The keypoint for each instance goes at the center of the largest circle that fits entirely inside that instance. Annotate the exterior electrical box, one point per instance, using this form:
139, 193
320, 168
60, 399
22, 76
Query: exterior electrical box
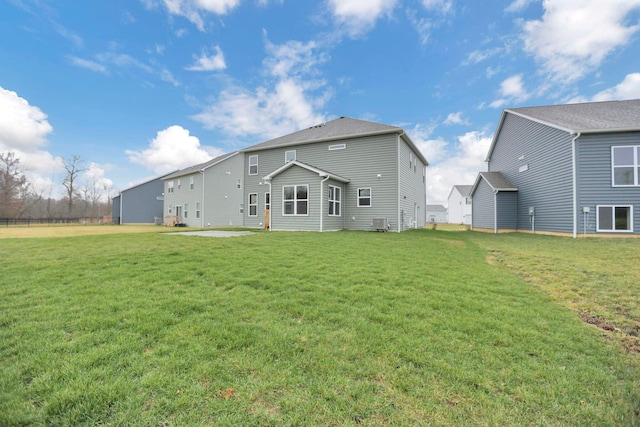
532, 211
381, 224
586, 209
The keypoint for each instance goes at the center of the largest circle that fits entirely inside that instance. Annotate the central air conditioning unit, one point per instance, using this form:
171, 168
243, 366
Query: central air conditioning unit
381, 224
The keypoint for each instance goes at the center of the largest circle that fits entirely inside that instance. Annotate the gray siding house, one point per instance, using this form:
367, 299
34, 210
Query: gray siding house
139, 204
570, 169
437, 214
209, 194
342, 174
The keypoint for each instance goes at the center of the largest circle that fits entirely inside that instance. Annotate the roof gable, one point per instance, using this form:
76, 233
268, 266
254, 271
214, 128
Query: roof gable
320, 172
464, 190
201, 166
496, 180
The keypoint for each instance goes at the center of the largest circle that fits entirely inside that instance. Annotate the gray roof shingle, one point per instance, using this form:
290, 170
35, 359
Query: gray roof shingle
497, 181
589, 117
200, 166
464, 190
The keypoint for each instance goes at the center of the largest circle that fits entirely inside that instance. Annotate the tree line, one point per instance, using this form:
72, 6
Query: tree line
81, 198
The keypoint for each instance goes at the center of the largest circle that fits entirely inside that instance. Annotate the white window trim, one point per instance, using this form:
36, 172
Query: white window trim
239, 184
295, 199
370, 197
613, 219
197, 209
335, 202
192, 181
170, 187
635, 166
185, 210
250, 205
179, 184
286, 153
267, 201
337, 147
251, 158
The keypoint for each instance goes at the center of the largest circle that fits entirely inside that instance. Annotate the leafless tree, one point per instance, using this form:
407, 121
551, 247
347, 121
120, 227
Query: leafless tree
73, 169
14, 187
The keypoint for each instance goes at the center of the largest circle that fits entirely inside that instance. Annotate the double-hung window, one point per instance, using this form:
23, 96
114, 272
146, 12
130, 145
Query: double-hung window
267, 201
186, 210
253, 165
334, 201
253, 204
170, 187
364, 197
192, 182
295, 200
614, 218
625, 166
197, 209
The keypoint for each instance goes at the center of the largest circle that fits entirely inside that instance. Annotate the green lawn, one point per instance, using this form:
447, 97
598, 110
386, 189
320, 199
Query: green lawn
348, 328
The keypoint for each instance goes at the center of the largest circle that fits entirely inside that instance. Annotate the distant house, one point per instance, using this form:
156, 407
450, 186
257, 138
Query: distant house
459, 204
209, 194
436, 214
342, 174
563, 169
139, 204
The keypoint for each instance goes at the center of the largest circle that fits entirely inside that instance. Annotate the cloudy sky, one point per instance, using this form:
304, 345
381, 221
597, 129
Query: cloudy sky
138, 88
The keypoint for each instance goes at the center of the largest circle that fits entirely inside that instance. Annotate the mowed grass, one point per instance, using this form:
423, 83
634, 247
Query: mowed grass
348, 328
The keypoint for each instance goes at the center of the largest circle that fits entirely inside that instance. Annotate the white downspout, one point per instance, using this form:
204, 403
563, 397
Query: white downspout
575, 190
202, 201
121, 198
495, 212
322, 201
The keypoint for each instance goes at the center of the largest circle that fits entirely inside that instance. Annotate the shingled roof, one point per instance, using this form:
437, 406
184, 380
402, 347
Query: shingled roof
496, 180
589, 117
200, 166
338, 129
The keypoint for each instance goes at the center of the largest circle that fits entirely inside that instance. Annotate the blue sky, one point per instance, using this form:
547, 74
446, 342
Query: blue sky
138, 88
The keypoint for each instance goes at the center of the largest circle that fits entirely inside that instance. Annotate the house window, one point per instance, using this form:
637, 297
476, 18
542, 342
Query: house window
178, 184
614, 218
241, 208
289, 156
364, 197
253, 204
295, 200
170, 209
267, 201
191, 182
253, 165
337, 147
424, 174
197, 209
239, 184
186, 209
410, 161
170, 187
625, 166
334, 201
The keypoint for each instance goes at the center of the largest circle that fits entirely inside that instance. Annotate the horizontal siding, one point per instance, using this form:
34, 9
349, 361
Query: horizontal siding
507, 210
412, 194
222, 197
140, 205
547, 184
483, 206
296, 176
594, 184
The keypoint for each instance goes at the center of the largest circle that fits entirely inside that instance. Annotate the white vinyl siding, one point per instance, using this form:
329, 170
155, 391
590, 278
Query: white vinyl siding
625, 166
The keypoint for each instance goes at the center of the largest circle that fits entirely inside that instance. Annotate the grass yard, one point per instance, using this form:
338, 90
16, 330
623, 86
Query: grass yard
348, 328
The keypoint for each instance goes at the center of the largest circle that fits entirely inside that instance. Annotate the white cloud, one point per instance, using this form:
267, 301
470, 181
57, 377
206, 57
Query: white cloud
194, 10
359, 16
518, 5
481, 55
172, 148
433, 150
574, 37
209, 62
456, 119
422, 25
440, 6
286, 102
511, 90
460, 169
24, 129
88, 64
629, 88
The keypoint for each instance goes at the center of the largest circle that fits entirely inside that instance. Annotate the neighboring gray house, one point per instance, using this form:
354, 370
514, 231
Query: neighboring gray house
139, 204
436, 214
459, 205
342, 174
563, 169
209, 194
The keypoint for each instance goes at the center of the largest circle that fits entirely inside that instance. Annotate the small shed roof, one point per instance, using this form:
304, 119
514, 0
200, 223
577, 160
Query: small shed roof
496, 180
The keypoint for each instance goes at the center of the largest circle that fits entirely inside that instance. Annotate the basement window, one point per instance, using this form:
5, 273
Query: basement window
614, 219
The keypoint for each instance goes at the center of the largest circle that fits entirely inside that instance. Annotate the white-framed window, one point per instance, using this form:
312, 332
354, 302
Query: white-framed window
614, 218
289, 156
335, 199
267, 201
253, 204
192, 182
241, 208
410, 161
186, 210
197, 209
253, 165
337, 147
625, 166
179, 184
239, 183
170, 187
364, 197
170, 209
295, 199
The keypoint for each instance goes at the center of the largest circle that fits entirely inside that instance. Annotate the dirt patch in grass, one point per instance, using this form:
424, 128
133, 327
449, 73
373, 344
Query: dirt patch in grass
629, 337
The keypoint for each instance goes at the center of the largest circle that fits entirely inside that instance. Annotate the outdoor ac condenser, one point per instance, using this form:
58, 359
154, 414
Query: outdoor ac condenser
381, 224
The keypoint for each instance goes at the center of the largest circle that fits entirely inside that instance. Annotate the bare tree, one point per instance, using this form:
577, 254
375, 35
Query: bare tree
73, 168
14, 187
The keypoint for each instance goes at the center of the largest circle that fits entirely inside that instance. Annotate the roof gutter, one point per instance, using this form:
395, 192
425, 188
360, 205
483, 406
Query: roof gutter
575, 191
